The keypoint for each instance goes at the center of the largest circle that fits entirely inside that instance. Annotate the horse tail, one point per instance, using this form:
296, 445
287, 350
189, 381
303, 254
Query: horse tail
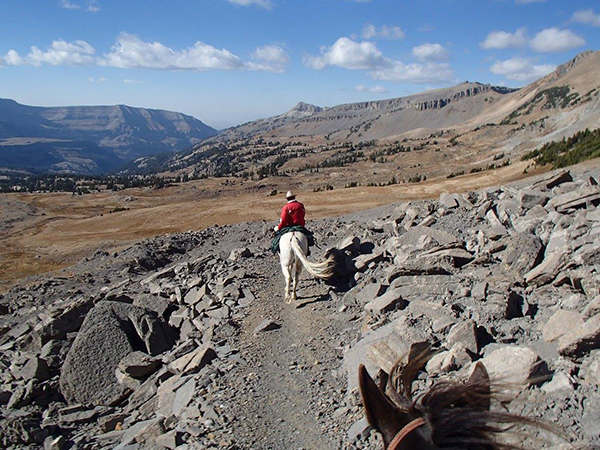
320, 270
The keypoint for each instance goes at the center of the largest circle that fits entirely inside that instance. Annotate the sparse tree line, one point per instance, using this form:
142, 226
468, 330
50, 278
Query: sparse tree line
579, 147
80, 184
240, 161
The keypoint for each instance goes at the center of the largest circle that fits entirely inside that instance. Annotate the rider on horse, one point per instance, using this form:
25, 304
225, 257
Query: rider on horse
292, 213
292, 219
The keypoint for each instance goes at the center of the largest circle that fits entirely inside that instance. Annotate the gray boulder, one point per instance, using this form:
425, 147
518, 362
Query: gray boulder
389, 301
555, 179
516, 366
139, 364
561, 323
528, 198
590, 368
523, 253
464, 333
581, 339
110, 332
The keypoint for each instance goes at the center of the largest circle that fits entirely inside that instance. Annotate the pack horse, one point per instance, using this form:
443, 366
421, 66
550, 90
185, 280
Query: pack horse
293, 248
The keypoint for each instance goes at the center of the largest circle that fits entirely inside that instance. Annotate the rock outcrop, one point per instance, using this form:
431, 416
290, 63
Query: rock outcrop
110, 332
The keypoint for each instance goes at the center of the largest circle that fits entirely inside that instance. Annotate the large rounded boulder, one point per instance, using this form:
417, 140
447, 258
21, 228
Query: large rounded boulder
111, 331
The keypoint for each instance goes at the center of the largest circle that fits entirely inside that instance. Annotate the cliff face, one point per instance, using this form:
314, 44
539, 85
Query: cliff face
469, 91
394, 114
115, 134
302, 111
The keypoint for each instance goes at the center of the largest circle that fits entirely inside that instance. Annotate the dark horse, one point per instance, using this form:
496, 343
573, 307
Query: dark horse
450, 415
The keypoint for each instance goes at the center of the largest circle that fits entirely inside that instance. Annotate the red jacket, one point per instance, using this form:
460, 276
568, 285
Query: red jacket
292, 214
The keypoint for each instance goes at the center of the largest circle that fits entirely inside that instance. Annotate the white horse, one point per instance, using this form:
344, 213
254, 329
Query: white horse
293, 247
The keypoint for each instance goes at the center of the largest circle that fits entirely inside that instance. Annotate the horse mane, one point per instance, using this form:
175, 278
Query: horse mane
457, 414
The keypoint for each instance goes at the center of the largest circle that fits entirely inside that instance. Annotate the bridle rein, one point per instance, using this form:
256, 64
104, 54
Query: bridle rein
405, 431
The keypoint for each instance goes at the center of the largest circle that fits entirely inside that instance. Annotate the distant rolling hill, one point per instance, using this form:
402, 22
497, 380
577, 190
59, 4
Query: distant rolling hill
90, 139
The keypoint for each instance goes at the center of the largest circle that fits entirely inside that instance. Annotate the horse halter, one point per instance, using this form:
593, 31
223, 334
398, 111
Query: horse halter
405, 431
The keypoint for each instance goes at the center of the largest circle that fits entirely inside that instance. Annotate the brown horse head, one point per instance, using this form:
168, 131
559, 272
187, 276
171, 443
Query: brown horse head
450, 415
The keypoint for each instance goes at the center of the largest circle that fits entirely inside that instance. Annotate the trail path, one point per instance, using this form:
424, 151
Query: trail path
286, 390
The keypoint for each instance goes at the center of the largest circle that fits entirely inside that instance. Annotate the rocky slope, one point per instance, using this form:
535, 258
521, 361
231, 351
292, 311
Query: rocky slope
453, 130
184, 341
90, 139
300, 111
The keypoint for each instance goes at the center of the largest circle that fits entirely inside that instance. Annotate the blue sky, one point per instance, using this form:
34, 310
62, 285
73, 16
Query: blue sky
230, 61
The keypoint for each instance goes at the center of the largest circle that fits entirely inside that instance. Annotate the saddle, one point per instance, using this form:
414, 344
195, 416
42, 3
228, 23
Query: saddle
309, 236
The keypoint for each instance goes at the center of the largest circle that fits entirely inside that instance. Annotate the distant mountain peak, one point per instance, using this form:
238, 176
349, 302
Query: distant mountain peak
564, 68
302, 106
90, 139
302, 110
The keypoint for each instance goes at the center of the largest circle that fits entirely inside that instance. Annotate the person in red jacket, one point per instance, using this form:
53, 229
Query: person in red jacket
292, 213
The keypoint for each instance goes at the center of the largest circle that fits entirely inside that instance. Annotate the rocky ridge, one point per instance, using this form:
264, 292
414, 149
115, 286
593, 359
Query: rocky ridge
459, 125
301, 111
184, 341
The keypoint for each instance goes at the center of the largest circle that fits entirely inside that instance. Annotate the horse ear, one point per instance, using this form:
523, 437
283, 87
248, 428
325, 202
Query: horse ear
381, 413
383, 379
480, 380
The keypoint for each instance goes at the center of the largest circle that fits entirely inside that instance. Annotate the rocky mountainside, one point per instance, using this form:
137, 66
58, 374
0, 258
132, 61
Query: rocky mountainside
186, 340
90, 139
441, 108
300, 111
454, 130
375, 119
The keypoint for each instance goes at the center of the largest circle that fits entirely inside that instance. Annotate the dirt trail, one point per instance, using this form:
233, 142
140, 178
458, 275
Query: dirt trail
282, 392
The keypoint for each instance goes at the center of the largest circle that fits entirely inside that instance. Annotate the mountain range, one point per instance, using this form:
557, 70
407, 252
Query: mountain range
477, 121
90, 139
459, 128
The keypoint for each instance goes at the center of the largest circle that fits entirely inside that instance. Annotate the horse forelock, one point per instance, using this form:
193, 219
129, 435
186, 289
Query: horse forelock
454, 412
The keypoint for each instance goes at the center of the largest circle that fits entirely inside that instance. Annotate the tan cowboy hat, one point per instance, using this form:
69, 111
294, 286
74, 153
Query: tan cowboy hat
290, 195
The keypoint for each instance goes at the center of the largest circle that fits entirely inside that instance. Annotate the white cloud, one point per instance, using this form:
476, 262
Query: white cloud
92, 6
12, 58
271, 53
131, 52
587, 17
555, 40
266, 4
374, 89
352, 55
348, 54
435, 73
521, 69
60, 53
379, 89
129, 81
98, 80
430, 52
502, 39
273, 58
384, 32
68, 5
